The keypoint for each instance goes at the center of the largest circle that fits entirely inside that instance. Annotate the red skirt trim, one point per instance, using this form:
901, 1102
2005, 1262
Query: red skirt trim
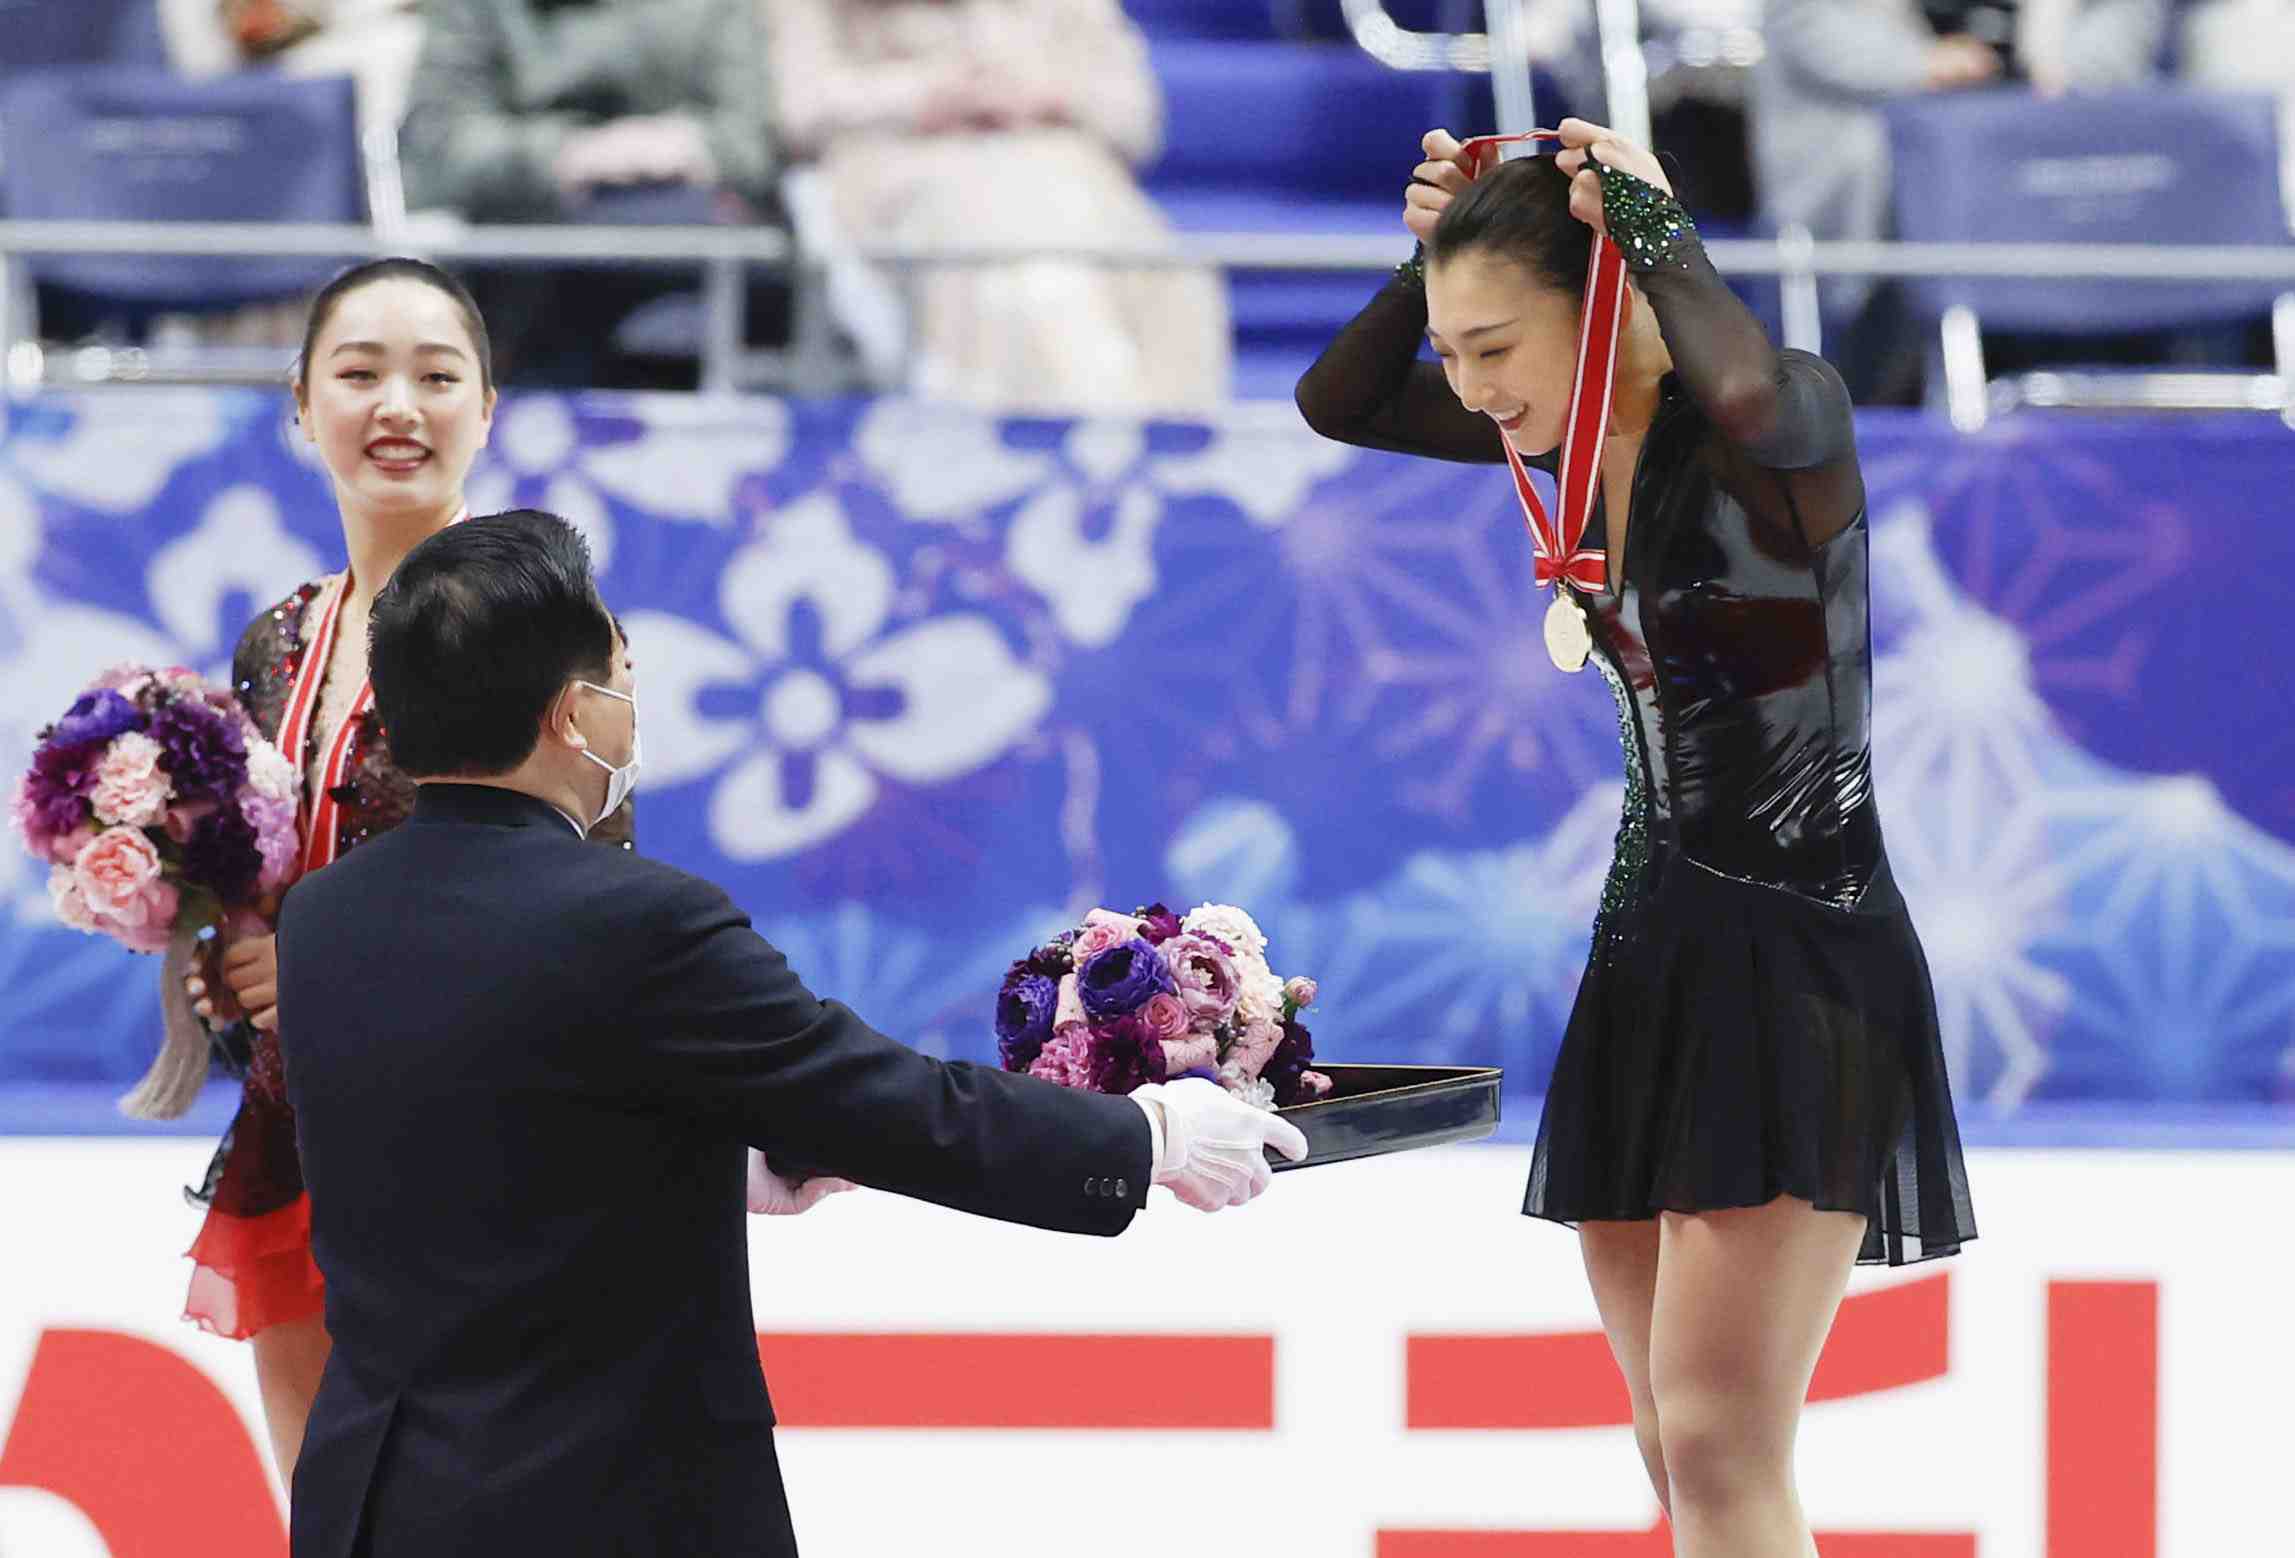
250, 1273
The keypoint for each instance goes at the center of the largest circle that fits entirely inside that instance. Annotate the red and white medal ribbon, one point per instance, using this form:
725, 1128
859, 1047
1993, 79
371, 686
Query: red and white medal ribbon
1558, 540
322, 820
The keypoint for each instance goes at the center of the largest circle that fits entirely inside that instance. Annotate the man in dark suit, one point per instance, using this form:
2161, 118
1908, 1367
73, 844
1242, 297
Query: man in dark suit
526, 1074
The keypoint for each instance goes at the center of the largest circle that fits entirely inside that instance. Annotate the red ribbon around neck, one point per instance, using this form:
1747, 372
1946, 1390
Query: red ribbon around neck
1559, 552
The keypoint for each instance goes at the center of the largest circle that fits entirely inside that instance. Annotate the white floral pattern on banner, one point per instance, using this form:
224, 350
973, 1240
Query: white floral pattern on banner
1084, 539
993, 663
120, 450
242, 548
687, 464
843, 700
944, 464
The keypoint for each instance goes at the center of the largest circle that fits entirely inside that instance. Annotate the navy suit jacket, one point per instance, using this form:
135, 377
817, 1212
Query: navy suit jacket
524, 1072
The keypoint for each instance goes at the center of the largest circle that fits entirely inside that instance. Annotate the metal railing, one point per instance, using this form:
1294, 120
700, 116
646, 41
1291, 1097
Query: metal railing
724, 252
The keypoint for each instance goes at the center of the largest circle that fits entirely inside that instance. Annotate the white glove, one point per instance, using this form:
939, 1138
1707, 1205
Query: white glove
1211, 1147
772, 1196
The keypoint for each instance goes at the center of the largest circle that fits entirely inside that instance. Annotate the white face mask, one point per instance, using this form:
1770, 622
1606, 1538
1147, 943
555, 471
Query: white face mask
619, 781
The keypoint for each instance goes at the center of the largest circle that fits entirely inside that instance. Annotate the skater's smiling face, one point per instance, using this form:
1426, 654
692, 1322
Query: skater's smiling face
396, 389
1508, 344
1505, 273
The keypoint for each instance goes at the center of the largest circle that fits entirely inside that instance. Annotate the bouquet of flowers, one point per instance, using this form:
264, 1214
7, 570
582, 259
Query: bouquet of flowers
161, 811
1127, 999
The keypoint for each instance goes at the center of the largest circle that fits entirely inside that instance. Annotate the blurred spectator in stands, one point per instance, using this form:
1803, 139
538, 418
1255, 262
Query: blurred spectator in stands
374, 41
2246, 45
1820, 146
574, 110
2235, 45
1009, 121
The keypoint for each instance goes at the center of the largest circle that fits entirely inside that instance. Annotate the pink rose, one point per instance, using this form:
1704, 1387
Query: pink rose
1066, 1058
132, 788
116, 874
1101, 931
1068, 1010
1299, 990
1186, 1054
1256, 1046
1166, 1016
157, 928
1205, 975
70, 906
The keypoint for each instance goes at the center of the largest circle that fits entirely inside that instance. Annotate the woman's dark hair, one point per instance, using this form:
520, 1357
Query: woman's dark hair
1519, 209
395, 268
481, 626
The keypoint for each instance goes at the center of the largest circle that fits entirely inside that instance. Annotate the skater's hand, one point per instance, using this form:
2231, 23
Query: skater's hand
237, 979
1584, 144
1434, 183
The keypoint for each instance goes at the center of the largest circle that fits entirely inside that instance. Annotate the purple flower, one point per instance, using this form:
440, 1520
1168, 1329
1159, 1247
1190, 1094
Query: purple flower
54, 795
1157, 924
206, 750
222, 856
1286, 1069
1119, 980
1024, 1011
276, 837
95, 717
1123, 1055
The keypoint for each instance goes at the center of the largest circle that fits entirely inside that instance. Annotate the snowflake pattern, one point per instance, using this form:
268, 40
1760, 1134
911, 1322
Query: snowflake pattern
673, 456
919, 685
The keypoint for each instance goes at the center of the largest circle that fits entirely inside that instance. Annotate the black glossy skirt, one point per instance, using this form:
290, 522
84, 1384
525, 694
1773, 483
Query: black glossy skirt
1733, 1042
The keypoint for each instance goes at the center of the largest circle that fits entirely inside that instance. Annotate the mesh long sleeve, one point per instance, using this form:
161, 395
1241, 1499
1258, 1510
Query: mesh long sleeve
1785, 411
1370, 387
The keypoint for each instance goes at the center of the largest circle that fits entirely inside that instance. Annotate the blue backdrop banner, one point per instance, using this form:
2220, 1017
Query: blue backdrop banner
919, 686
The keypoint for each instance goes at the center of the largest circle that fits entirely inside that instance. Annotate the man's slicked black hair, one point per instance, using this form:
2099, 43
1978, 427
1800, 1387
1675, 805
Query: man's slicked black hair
478, 630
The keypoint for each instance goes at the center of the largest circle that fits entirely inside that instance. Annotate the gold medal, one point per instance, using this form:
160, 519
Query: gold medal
1568, 639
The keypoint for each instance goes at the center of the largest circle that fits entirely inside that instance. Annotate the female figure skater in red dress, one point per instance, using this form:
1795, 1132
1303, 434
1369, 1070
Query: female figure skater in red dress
395, 389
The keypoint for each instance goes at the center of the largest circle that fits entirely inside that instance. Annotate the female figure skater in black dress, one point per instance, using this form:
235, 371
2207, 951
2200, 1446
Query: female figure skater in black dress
1750, 1097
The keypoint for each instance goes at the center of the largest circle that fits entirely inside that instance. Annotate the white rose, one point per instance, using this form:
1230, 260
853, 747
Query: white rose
1258, 1092
1259, 997
269, 772
1229, 924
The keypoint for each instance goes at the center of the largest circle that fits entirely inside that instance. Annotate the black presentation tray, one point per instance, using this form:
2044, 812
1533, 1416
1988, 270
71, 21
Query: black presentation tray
1378, 1109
